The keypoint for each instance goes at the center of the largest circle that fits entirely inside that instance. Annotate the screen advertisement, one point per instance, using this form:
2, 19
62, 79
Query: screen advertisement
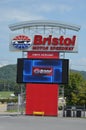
42, 71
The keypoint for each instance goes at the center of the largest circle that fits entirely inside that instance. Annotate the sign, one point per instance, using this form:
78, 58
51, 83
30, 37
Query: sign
38, 42
42, 55
42, 71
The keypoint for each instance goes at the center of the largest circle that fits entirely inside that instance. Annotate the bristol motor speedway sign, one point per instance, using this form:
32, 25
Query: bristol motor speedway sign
38, 42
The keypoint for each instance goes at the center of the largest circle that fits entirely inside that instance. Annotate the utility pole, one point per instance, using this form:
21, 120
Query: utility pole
22, 99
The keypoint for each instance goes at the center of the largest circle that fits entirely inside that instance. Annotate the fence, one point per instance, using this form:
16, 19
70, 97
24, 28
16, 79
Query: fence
74, 111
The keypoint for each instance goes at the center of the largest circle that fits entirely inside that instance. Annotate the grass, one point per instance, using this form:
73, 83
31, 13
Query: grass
5, 94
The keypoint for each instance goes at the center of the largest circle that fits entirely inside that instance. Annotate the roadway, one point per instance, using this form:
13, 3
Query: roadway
41, 123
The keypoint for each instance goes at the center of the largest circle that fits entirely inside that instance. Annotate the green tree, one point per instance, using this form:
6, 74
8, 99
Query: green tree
17, 89
82, 94
74, 90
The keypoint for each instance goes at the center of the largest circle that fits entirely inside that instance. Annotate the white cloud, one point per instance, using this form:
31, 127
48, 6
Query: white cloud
4, 62
84, 25
54, 6
64, 8
18, 15
82, 61
37, 10
78, 64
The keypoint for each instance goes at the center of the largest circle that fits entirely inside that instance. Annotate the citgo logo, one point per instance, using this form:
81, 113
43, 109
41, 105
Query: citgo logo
21, 42
42, 71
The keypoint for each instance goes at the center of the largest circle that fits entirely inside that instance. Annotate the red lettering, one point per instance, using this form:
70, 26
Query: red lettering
40, 48
37, 39
73, 40
48, 40
55, 41
61, 48
67, 41
70, 41
61, 39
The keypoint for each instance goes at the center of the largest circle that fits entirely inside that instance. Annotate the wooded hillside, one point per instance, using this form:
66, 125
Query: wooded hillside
9, 73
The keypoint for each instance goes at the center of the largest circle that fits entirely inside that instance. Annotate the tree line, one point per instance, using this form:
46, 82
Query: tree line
75, 90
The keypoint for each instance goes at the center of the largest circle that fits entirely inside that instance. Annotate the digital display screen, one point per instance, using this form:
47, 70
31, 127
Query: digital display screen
42, 71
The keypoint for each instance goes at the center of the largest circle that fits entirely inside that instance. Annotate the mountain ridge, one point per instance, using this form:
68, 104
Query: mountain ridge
9, 72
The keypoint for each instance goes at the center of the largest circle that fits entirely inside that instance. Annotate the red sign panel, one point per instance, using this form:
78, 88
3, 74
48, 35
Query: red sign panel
42, 98
40, 55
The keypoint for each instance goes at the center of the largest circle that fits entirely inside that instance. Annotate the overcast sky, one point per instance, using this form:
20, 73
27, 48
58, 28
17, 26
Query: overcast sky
68, 11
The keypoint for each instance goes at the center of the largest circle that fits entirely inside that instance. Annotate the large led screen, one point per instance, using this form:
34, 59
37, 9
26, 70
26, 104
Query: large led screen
42, 71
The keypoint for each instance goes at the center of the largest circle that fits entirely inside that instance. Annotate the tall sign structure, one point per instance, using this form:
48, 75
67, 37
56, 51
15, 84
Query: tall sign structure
43, 70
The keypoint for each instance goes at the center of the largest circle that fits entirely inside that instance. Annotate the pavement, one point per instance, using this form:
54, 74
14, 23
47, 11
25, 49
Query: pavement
16, 121
41, 123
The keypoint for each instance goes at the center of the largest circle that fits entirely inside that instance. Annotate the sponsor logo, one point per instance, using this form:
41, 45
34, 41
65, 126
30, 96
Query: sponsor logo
42, 71
21, 42
41, 43
39, 40
50, 43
